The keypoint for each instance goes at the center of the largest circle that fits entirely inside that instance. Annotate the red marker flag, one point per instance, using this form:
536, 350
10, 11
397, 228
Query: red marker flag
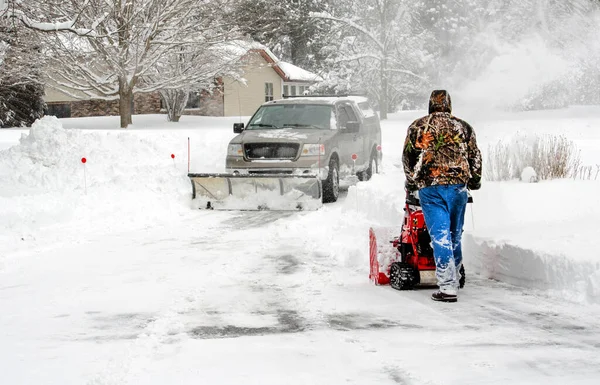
83, 161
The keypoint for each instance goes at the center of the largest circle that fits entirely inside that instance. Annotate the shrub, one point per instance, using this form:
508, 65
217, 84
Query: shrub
552, 157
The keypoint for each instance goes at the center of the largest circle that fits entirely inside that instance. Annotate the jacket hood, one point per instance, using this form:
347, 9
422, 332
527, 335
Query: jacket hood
439, 101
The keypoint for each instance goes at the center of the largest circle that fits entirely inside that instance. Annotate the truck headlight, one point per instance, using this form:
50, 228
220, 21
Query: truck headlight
313, 150
235, 150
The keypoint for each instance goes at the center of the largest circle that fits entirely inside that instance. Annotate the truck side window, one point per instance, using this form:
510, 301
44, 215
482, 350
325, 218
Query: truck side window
343, 117
351, 115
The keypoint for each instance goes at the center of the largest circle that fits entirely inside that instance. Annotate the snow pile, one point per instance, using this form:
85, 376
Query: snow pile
43, 181
50, 159
528, 175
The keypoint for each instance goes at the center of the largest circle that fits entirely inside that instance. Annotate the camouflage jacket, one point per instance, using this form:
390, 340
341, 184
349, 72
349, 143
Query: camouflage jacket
441, 149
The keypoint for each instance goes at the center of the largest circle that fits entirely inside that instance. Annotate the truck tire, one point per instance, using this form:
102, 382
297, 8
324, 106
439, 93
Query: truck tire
373, 168
331, 186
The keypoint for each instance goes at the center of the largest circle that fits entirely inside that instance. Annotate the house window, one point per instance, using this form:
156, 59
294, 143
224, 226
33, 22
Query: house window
300, 90
293, 90
60, 110
268, 92
286, 91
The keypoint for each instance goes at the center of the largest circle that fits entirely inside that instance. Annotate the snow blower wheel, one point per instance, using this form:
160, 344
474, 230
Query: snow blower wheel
402, 276
462, 279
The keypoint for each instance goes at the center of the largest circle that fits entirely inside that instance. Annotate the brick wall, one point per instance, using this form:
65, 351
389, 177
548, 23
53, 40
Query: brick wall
147, 103
143, 104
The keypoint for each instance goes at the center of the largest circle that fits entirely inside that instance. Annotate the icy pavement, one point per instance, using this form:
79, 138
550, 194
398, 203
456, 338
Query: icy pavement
240, 301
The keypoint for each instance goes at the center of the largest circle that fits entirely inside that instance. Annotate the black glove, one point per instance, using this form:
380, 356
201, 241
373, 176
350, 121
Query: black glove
410, 187
474, 184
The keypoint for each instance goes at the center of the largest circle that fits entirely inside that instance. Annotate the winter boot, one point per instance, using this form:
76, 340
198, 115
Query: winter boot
443, 297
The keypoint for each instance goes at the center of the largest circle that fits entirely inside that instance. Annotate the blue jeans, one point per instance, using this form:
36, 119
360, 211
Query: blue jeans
444, 208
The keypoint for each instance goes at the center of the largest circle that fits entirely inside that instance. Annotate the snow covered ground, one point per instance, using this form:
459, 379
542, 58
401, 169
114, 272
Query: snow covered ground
108, 276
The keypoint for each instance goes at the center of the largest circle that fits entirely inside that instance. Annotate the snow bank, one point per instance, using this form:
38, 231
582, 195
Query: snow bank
44, 184
542, 236
48, 159
558, 274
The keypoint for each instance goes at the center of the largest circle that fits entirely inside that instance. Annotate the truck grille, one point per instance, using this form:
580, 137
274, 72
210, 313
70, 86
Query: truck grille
271, 150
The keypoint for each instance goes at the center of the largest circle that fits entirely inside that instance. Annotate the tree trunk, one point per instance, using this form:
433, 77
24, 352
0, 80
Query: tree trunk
125, 97
131, 108
175, 102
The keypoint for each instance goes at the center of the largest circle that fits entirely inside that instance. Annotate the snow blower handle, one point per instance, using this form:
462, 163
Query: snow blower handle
412, 198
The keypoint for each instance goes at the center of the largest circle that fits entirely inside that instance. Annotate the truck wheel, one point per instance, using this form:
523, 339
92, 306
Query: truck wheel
331, 186
373, 169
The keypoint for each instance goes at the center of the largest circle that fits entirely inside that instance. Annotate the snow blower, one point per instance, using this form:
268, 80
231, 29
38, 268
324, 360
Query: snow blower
402, 256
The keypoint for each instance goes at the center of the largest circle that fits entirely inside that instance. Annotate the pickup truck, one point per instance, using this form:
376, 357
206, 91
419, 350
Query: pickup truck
331, 137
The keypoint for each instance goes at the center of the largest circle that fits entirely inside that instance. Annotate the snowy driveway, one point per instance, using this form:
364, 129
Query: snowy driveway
123, 283
254, 298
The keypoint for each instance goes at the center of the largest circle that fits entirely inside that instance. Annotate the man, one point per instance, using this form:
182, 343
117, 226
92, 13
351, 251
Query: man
441, 161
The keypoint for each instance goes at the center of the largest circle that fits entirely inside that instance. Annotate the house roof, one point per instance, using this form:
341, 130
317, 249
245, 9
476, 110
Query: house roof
287, 71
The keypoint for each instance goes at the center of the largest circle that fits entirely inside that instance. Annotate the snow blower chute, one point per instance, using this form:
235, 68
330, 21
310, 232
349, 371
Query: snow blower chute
256, 191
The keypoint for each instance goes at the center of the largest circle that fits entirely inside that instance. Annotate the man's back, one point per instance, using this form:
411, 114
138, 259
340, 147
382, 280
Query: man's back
441, 149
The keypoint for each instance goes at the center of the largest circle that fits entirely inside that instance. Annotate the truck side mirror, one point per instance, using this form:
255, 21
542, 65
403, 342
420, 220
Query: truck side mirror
238, 128
353, 127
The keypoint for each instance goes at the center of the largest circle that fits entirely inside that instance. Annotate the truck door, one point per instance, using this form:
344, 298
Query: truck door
352, 141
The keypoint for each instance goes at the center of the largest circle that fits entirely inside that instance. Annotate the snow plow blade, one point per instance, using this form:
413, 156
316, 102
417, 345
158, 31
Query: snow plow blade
280, 192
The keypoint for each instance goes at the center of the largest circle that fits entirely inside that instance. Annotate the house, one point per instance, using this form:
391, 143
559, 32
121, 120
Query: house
263, 77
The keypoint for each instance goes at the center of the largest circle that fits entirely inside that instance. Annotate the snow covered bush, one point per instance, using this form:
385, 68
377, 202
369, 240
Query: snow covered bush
529, 175
587, 172
550, 157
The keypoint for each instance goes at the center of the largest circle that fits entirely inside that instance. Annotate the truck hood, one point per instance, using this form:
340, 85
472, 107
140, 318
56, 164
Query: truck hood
284, 135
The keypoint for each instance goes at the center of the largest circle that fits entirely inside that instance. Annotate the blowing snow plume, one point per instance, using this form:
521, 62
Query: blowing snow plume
525, 55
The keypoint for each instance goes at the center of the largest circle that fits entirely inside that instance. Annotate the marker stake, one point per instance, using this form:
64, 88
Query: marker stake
84, 161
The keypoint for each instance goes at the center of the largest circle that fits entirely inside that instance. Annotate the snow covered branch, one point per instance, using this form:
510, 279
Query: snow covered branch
350, 23
6, 10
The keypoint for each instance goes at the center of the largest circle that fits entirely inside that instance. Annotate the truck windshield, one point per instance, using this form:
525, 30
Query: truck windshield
292, 116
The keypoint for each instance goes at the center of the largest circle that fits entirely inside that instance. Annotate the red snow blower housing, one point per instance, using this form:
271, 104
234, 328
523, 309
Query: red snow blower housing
403, 257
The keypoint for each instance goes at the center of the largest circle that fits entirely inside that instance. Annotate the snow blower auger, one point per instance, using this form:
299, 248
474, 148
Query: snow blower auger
402, 256
256, 191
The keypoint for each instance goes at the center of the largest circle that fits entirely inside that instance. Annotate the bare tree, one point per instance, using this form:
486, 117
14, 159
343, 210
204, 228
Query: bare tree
196, 72
110, 49
376, 38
